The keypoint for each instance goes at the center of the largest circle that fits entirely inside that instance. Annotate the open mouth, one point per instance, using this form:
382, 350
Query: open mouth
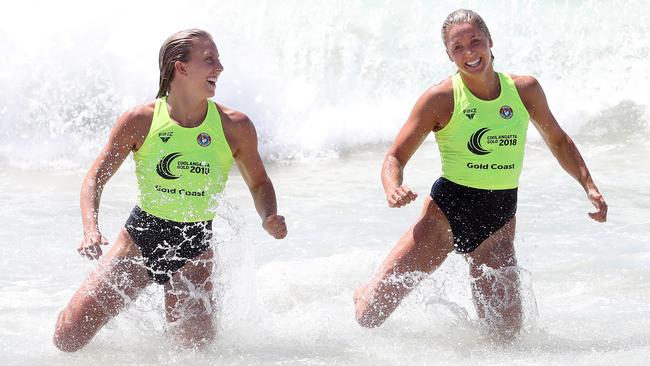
474, 63
212, 80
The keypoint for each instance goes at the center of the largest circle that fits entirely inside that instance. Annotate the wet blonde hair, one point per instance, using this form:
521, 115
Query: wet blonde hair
462, 16
176, 48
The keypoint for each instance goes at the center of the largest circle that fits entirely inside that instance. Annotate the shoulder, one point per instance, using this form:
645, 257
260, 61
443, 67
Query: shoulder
525, 82
133, 125
233, 117
442, 92
436, 105
530, 91
237, 127
137, 117
437, 98
527, 85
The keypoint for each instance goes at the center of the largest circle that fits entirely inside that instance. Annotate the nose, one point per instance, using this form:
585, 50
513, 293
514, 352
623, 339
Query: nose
219, 66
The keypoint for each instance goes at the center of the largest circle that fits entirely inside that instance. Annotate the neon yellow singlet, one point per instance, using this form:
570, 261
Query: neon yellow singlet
482, 146
179, 170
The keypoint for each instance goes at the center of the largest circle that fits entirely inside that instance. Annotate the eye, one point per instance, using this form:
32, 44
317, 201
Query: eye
475, 42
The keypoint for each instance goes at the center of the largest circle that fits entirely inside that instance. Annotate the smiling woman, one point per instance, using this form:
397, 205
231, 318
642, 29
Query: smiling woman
183, 145
480, 120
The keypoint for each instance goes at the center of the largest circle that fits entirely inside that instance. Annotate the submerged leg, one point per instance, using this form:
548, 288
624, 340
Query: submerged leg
495, 283
117, 281
421, 249
188, 302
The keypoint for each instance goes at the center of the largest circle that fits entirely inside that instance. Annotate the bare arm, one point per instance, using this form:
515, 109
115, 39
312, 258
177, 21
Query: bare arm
560, 144
242, 138
126, 135
430, 113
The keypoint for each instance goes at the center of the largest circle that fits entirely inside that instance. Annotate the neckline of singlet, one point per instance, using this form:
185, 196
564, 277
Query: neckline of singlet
165, 110
501, 82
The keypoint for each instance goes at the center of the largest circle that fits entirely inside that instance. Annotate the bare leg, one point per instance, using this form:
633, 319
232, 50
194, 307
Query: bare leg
118, 279
421, 249
188, 302
495, 285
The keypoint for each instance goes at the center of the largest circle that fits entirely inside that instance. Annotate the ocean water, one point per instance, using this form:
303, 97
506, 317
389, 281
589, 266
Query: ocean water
328, 85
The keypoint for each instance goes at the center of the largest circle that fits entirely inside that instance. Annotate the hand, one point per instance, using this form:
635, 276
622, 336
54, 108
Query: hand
601, 207
90, 246
275, 225
400, 196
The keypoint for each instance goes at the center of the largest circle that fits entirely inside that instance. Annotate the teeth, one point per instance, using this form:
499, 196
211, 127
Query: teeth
474, 63
212, 79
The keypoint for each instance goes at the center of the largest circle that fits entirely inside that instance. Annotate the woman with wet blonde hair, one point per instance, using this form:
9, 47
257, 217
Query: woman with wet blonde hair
183, 145
480, 119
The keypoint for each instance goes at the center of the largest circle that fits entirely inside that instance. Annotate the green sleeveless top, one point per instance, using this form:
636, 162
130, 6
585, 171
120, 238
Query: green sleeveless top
482, 146
180, 170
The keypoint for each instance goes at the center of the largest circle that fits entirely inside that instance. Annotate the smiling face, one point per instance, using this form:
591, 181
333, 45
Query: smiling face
469, 48
203, 68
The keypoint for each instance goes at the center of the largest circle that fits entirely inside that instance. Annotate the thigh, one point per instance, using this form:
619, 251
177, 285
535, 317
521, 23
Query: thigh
495, 282
496, 251
118, 280
423, 247
188, 293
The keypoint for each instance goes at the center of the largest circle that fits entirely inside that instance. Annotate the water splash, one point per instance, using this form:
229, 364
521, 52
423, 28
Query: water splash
322, 89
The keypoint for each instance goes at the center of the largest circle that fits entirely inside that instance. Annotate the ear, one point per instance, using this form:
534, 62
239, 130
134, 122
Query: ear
179, 67
491, 44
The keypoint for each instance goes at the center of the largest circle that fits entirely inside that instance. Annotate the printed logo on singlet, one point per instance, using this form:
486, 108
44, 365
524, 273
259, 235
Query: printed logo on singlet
506, 112
165, 136
195, 167
163, 168
203, 139
474, 144
470, 112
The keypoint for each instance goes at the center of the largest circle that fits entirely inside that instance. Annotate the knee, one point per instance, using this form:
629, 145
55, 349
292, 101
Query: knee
67, 344
65, 336
367, 316
75, 329
506, 332
367, 320
195, 333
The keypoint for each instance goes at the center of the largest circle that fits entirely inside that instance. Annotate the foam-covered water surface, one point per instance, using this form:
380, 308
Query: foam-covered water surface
328, 86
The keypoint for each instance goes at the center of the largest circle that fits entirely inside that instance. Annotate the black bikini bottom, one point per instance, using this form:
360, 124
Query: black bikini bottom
167, 245
473, 214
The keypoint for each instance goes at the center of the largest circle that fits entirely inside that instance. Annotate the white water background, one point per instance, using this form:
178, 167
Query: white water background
328, 85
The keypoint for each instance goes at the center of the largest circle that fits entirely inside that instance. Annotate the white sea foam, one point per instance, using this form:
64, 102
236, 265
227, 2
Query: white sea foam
328, 86
316, 80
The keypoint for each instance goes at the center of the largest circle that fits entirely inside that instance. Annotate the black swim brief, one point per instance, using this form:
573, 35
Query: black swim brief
473, 214
167, 245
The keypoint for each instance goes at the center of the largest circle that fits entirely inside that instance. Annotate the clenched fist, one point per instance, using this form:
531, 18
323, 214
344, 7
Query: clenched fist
275, 225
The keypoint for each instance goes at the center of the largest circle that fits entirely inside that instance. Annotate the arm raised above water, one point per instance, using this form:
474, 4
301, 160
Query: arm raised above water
431, 112
560, 144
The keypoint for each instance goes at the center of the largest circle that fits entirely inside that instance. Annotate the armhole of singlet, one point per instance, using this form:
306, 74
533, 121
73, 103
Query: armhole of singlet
156, 109
508, 80
223, 131
455, 97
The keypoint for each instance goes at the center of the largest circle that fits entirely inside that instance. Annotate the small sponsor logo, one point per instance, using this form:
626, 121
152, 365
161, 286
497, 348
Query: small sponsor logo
165, 136
470, 113
204, 139
506, 112
474, 143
